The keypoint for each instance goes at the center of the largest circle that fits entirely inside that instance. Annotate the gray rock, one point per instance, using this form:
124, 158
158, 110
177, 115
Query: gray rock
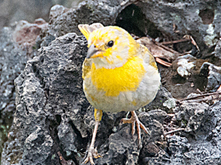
63, 20
195, 117
17, 46
122, 148
36, 88
12, 61
202, 149
217, 51
14, 10
53, 116
185, 16
177, 146
157, 114
213, 74
207, 149
203, 121
66, 134
37, 147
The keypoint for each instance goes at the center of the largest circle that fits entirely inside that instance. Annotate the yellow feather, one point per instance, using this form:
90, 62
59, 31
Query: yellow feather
86, 29
120, 79
119, 75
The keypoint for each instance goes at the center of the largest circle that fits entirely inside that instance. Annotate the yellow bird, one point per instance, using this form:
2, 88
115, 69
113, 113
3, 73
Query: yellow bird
119, 74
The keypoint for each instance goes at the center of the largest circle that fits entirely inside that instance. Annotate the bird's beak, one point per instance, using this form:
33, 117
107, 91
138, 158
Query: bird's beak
91, 51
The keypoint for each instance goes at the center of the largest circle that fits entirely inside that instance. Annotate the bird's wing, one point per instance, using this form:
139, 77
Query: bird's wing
147, 56
86, 29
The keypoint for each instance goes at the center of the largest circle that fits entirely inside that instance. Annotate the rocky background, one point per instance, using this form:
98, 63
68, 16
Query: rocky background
45, 118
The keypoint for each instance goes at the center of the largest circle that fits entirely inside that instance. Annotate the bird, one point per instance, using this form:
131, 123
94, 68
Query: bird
119, 74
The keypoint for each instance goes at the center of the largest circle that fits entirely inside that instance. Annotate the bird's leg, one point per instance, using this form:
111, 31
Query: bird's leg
92, 152
135, 121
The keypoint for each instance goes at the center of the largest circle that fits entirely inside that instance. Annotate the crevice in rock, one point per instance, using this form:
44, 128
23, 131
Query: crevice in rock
80, 141
35, 67
52, 128
134, 21
207, 16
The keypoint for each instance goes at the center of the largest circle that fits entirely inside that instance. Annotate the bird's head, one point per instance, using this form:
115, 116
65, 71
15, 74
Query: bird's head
110, 47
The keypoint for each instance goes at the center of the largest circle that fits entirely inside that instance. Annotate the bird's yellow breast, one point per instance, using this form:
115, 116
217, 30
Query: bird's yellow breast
119, 79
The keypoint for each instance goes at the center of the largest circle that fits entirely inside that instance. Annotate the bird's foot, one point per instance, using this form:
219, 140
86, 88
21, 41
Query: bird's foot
91, 153
135, 121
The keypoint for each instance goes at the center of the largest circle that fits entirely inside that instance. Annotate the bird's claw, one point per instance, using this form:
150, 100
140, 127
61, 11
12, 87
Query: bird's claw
135, 122
92, 153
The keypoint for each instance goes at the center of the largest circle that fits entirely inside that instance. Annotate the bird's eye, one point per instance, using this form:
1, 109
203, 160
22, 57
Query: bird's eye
110, 43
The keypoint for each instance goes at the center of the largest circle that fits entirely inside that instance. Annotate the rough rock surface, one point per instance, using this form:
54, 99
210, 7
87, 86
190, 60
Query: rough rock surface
53, 121
186, 15
13, 59
204, 148
16, 49
217, 50
29, 10
213, 74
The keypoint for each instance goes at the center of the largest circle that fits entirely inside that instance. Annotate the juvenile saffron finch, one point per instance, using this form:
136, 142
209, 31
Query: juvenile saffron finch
119, 74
